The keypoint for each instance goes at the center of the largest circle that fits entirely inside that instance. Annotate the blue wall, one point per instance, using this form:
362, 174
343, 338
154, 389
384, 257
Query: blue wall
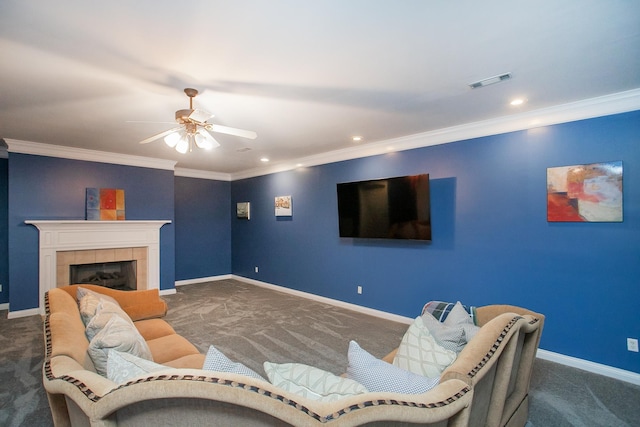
52, 188
203, 235
4, 232
491, 240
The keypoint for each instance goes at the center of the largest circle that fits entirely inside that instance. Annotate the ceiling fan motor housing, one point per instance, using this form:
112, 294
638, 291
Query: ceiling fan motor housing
182, 116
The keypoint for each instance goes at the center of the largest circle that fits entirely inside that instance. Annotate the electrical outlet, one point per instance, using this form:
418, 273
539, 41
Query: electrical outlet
255, 269
0, 287
360, 290
632, 344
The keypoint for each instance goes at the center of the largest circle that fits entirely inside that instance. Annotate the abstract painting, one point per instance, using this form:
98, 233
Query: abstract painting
105, 204
585, 193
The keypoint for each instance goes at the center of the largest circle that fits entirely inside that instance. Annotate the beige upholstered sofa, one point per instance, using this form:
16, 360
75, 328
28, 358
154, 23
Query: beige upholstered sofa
497, 362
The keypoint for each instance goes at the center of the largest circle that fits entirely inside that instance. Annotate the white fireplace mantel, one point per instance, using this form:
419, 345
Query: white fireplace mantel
68, 235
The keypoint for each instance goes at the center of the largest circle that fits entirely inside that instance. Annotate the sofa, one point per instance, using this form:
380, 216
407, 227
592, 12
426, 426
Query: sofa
487, 385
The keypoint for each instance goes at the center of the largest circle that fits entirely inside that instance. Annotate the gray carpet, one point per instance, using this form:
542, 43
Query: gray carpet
252, 324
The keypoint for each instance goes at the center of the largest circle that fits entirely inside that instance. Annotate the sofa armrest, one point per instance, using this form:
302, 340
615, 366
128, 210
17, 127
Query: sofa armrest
139, 305
486, 313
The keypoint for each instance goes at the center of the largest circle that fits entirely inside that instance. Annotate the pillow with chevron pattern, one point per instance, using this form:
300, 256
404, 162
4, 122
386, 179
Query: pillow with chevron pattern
310, 382
420, 353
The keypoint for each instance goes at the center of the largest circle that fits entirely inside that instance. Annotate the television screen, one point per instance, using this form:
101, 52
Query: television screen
390, 208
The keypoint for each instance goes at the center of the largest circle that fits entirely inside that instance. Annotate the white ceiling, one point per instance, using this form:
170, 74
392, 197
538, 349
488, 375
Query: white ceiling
305, 75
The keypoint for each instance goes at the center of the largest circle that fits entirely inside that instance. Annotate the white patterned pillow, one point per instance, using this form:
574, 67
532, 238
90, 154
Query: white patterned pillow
88, 303
121, 367
117, 334
379, 376
420, 353
102, 315
217, 361
310, 382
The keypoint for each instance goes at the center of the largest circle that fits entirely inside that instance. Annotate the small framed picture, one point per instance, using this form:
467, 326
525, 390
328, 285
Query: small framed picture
243, 210
283, 206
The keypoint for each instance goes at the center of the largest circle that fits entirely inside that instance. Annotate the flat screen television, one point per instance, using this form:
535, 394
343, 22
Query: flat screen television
389, 208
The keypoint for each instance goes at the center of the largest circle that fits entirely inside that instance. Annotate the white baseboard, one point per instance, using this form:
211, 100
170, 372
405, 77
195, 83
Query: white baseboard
204, 279
338, 303
24, 313
4, 306
585, 365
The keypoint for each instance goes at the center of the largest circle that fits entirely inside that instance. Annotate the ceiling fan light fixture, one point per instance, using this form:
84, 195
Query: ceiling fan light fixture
205, 140
172, 139
183, 144
194, 129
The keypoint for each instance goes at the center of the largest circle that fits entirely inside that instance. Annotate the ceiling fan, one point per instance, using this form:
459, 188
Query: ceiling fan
194, 129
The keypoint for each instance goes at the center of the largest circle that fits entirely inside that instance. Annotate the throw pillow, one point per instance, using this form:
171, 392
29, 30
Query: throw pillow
440, 310
117, 334
379, 376
450, 337
310, 382
420, 353
88, 303
121, 367
215, 360
103, 313
460, 317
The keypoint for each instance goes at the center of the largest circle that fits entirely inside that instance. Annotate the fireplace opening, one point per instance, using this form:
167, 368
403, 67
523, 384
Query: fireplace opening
120, 275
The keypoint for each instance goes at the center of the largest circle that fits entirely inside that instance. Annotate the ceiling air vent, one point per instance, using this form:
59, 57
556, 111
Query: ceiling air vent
491, 80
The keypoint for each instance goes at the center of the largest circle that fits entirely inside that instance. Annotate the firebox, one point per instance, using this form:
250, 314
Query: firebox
120, 275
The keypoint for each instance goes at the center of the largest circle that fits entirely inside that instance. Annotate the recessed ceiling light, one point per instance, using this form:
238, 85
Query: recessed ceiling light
264, 160
356, 138
517, 101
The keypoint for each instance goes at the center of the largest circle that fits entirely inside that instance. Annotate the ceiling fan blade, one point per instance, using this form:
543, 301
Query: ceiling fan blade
200, 116
232, 131
146, 121
159, 135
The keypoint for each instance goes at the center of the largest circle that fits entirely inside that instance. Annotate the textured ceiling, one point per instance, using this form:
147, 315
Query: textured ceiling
306, 76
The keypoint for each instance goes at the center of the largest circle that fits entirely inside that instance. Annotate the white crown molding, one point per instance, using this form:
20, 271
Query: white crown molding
39, 149
195, 173
617, 103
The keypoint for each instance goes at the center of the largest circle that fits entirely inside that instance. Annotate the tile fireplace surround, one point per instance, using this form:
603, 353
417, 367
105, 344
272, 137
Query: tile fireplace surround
101, 240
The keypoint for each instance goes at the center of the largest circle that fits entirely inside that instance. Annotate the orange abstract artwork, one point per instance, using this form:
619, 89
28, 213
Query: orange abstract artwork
105, 204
